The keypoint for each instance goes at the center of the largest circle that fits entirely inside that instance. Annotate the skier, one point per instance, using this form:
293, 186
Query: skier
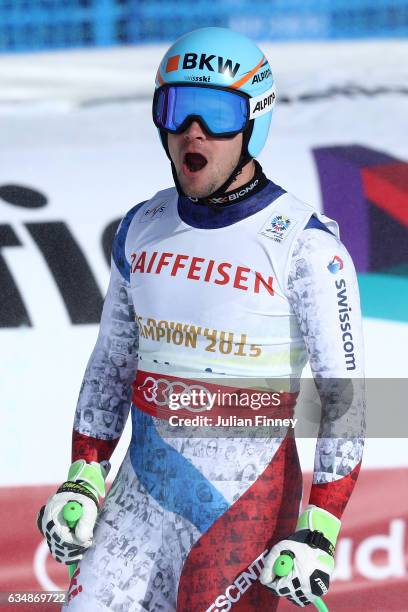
225, 275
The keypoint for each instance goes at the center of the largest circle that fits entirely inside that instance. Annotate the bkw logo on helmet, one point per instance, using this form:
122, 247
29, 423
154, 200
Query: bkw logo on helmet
191, 61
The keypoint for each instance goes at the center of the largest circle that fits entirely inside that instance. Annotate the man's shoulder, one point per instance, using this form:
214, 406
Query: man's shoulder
297, 205
162, 196
312, 217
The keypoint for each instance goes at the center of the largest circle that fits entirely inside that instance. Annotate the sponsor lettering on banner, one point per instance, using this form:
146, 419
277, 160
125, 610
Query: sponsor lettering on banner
62, 264
363, 558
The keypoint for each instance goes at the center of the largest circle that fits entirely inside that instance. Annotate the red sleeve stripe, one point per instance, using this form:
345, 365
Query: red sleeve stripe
91, 449
333, 496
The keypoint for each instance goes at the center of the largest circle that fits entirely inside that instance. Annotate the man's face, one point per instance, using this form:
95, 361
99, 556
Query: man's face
108, 419
326, 460
211, 447
118, 359
203, 163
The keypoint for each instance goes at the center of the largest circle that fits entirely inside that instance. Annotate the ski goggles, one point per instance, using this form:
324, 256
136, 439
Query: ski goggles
222, 112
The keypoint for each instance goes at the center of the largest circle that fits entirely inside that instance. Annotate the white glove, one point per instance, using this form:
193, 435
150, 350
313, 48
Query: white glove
85, 484
311, 548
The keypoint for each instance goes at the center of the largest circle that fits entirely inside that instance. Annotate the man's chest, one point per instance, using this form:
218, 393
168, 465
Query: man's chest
213, 275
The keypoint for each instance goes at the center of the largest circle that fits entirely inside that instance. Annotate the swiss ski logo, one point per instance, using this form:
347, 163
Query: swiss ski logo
151, 213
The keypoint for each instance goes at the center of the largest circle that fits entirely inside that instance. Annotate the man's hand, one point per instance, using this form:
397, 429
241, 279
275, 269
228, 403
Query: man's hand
311, 548
85, 484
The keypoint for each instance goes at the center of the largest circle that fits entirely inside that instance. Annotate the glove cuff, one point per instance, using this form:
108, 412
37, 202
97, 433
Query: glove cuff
91, 475
314, 539
77, 487
317, 519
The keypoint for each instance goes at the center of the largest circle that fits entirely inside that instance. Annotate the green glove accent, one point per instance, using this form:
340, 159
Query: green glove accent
284, 564
317, 519
92, 475
326, 560
72, 512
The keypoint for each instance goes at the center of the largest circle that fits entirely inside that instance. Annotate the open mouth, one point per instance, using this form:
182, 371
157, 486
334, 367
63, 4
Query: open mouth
194, 162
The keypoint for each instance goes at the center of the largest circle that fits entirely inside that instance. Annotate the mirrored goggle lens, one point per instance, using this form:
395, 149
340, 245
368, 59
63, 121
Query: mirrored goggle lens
223, 112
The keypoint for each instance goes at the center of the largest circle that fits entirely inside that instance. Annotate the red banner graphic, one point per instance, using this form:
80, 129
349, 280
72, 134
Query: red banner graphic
371, 555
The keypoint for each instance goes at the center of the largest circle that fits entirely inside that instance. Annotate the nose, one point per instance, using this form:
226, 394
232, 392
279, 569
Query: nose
193, 131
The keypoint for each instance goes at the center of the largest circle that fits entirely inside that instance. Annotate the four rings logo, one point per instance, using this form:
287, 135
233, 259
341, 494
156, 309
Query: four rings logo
161, 391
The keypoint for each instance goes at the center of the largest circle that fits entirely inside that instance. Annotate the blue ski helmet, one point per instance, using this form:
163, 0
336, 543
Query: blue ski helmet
222, 59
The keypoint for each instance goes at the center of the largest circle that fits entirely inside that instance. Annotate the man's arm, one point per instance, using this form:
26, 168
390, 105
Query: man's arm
323, 292
101, 413
104, 398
